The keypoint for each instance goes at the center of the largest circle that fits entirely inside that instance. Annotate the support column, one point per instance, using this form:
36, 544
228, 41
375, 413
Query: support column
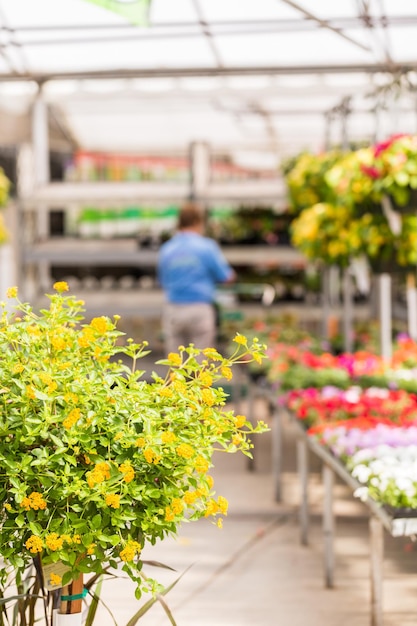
325, 295
40, 145
385, 315
347, 311
412, 306
200, 169
25, 232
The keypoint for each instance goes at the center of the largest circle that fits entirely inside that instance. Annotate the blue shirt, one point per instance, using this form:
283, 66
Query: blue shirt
190, 266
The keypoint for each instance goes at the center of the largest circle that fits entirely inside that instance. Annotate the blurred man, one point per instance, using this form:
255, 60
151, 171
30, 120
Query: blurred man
190, 266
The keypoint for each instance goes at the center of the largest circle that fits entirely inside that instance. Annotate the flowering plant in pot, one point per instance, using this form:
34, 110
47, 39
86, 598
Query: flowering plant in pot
306, 179
326, 232
394, 171
95, 461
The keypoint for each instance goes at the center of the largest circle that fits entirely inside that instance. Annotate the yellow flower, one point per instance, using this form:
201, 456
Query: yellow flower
222, 504
151, 456
179, 386
30, 392
86, 337
128, 472
206, 379
11, 292
76, 539
99, 474
55, 579
91, 549
226, 372
113, 500
61, 286
211, 353
8, 506
208, 397
174, 359
54, 542
140, 442
169, 514
33, 501
240, 339
211, 509
71, 398
177, 506
99, 324
165, 392
220, 523
72, 418
190, 497
131, 549
239, 420
18, 368
58, 342
168, 437
201, 465
34, 544
185, 450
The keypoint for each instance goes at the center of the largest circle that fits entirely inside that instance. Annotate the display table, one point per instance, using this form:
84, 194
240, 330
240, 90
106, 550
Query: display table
380, 518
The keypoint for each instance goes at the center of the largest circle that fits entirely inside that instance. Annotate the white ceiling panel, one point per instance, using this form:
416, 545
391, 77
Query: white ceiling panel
237, 73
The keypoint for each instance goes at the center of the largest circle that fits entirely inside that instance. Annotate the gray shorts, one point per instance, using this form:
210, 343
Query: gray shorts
183, 324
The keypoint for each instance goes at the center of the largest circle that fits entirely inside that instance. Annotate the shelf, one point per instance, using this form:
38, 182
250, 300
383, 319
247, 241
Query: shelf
119, 252
111, 193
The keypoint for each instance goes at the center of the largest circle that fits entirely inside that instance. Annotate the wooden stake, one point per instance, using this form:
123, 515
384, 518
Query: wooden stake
75, 588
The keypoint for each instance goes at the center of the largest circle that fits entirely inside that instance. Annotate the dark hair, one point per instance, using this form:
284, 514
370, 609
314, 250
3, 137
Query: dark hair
190, 215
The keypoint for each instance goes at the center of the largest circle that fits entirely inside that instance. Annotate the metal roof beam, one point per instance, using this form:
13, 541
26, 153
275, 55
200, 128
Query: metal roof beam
289, 25
186, 72
325, 24
205, 29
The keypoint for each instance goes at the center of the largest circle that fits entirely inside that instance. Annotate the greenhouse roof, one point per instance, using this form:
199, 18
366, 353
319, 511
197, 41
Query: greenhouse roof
265, 78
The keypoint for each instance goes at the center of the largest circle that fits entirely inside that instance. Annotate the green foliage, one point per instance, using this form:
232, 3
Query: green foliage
94, 460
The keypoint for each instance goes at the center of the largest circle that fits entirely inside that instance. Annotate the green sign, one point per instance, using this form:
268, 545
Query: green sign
136, 11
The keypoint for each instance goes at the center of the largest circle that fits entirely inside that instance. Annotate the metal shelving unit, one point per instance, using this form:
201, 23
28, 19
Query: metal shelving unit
38, 252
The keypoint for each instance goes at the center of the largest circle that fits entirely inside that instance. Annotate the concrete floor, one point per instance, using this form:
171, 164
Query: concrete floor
256, 572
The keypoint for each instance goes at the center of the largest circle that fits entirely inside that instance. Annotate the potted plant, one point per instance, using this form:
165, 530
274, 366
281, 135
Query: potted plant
95, 461
305, 176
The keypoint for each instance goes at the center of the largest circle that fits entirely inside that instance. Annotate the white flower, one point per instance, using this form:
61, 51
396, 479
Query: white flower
362, 473
361, 493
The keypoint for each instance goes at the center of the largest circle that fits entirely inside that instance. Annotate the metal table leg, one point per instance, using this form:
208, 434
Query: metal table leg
376, 532
302, 460
328, 526
277, 452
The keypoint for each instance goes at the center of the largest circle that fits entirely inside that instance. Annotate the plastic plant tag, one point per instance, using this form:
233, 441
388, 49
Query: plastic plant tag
52, 575
393, 218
